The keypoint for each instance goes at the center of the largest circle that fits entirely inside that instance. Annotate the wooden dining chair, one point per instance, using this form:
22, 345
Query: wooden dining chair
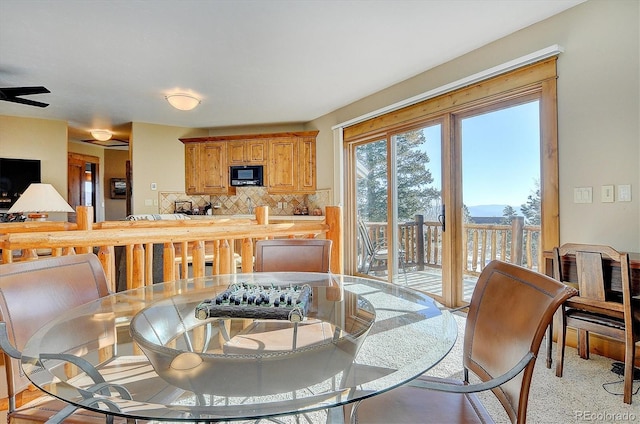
509, 312
597, 309
33, 293
303, 255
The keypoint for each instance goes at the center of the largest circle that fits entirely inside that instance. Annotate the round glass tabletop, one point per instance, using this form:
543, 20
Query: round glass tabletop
239, 346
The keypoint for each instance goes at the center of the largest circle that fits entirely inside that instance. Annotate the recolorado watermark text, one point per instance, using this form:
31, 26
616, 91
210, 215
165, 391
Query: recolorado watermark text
604, 416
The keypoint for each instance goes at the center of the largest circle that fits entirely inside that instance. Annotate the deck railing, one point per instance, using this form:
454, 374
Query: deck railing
422, 243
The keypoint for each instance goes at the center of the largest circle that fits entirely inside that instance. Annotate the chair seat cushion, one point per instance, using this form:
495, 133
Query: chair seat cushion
408, 404
577, 314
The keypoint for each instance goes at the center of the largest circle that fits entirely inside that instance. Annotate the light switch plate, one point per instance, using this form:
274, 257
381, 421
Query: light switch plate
582, 195
624, 193
607, 194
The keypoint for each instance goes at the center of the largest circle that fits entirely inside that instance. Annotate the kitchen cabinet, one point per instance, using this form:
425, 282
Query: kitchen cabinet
289, 161
206, 170
247, 152
292, 163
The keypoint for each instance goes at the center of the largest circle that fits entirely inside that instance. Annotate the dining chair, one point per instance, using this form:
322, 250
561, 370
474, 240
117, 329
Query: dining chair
33, 293
304, 255
376, 255
597, 308
510, 309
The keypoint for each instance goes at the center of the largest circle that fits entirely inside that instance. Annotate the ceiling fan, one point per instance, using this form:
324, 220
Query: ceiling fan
11, 94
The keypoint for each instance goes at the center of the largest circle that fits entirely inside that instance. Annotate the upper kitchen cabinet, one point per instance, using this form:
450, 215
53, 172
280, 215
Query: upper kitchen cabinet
292, 162
206, 170
247, 152
289, 161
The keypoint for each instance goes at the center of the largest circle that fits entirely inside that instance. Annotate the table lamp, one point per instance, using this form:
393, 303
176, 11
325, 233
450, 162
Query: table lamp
39, 199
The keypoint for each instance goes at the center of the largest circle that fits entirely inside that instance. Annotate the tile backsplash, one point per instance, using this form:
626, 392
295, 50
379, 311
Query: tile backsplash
245, 199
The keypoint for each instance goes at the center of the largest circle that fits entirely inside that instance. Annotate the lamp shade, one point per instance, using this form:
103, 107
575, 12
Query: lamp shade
101, 135
40, 198
183, 101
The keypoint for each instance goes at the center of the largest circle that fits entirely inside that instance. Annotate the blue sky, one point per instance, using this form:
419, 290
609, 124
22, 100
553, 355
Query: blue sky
500, 155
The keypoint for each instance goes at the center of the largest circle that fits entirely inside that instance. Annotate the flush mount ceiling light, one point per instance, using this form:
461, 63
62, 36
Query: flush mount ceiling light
101, 135
183, 101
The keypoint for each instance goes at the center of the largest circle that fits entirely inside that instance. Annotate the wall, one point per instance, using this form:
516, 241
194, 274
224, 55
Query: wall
598, 111
46, 140
114, 167
157, 156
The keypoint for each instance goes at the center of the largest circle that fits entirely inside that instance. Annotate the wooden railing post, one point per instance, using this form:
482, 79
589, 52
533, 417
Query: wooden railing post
517, 227
84, 219
335, 233
420, 241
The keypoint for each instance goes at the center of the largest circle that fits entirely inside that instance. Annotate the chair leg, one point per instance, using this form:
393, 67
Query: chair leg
629, 355
562, 334
549, 344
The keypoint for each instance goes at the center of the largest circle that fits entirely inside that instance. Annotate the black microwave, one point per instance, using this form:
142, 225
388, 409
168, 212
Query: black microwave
248, 175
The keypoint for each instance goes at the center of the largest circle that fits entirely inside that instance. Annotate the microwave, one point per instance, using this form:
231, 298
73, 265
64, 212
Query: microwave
248, 175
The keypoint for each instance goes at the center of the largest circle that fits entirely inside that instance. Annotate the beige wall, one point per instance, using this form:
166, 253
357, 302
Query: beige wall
598, 108
115, 166
46, 140
157, 156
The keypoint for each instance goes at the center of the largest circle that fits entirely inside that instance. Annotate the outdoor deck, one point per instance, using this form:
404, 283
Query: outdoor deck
430, 282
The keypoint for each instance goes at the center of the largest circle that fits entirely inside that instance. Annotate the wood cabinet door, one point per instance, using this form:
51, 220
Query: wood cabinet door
282, 169
191, 166
307, 164
236, 152
245, 152
256, 152
213, 168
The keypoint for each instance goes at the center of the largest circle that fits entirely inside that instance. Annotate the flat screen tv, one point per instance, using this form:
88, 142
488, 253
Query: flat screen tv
15, 177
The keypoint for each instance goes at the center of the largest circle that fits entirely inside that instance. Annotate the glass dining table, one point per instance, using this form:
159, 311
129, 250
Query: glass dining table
239, 347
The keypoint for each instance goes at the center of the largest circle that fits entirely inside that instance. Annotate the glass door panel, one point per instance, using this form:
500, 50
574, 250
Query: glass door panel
417, 177
371, 192
501, 190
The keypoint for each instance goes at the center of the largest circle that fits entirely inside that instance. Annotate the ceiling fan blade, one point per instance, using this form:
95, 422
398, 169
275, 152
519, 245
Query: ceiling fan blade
23, 91
25, 101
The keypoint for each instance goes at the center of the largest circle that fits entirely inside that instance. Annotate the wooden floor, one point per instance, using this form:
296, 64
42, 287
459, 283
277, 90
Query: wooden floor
430, 282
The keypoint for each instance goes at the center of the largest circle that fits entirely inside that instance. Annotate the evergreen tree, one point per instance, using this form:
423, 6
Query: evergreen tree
531, 209
413, 178
508, 213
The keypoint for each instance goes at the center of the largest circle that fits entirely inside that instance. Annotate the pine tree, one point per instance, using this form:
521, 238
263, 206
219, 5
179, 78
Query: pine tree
413, 178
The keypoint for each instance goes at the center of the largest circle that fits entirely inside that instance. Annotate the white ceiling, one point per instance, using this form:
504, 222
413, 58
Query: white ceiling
108, 63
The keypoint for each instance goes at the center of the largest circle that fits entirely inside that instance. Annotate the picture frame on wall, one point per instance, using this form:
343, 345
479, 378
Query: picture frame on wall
118, 188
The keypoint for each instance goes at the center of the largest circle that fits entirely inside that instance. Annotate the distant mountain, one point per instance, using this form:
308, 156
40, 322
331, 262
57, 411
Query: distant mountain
490, 210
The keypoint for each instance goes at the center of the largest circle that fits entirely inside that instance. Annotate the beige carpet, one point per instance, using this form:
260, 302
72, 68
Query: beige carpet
577, 397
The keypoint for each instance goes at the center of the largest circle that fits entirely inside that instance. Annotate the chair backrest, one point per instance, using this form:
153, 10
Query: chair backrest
510, 310
365, 238
35, 292
589, 277
308, 255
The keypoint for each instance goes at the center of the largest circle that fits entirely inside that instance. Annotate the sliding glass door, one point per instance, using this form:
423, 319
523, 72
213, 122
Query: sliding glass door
398, 202
436, 190
500, 188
